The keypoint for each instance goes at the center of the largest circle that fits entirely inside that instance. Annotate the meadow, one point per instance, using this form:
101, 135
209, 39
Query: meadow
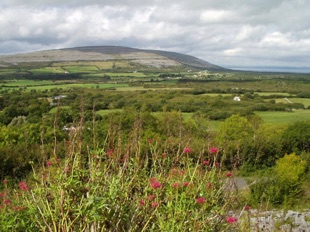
114, 146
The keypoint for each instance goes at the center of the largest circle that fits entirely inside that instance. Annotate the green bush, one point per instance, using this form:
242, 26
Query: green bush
283, 185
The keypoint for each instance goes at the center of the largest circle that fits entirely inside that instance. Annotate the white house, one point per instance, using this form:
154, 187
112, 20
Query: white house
237, 98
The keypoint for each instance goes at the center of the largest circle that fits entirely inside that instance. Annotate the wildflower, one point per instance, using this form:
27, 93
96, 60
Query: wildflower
206, 162
149, 140
185, 184
5, 181
110, 153
213, 150
209, 184
142, 203
2, 194
155, 184
155, 204
247, 207
176, 185
187, 150
228, 174
49, 163
7, 201
15, 208
231, 220
23, 186
164, 155
201, 200
151, 197
217, 164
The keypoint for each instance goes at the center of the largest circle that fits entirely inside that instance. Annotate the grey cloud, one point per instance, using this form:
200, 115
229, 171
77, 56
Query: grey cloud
224, 32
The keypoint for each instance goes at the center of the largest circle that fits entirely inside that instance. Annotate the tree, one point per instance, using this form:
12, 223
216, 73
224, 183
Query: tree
235, 135
296, 137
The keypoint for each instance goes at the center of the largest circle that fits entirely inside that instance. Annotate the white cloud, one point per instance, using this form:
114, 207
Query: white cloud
216, 16
224, 32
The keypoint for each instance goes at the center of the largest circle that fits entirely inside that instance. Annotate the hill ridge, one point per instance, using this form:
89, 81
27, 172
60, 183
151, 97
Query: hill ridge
154, 58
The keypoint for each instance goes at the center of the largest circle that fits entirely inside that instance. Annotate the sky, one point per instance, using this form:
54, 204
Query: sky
229, 33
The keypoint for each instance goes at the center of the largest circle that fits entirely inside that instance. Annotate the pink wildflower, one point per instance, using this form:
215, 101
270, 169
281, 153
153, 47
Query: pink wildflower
155, 184
185, 184
228, 174
213, 150
231, 220
201, 200
49, 163
110, 152
155, 204
176, 185
164, 155
2, 194
5, 181
206, 162
247, 207
142, 203
23, 186
151, 197
7, 201
150, 140
187, 150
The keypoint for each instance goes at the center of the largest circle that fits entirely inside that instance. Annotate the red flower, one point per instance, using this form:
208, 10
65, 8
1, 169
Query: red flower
206, 162
15, 208
228, 174
217, 164
5, 181
164, 155
49, 163
2, 194
142, 203
247, 207
110, 152
155, 204
185, 184
23, 186
231, 220
187, 150
7, 201
151, 197
201, 200
155, 184
213, 150
176, 185
150, 140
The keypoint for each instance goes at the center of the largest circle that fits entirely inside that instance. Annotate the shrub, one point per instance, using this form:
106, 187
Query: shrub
283, 184
119, 190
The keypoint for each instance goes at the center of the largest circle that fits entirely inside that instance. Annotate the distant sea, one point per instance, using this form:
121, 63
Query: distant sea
274, 69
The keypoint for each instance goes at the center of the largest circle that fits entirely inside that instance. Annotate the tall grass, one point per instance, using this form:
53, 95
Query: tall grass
132, 186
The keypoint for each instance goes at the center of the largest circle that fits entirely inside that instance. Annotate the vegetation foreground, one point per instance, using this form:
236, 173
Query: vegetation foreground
126, 147
153, 184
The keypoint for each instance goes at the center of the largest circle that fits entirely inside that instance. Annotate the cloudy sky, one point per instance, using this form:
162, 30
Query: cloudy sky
230, 33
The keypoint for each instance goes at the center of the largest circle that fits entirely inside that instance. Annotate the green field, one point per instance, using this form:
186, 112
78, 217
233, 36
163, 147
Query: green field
284, 117
81, 69
47, 70
26, 83
272, 93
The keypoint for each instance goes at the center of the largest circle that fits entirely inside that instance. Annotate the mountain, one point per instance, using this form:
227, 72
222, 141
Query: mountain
153, 58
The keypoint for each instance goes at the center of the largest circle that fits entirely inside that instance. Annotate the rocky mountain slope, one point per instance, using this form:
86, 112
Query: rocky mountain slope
153, 58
